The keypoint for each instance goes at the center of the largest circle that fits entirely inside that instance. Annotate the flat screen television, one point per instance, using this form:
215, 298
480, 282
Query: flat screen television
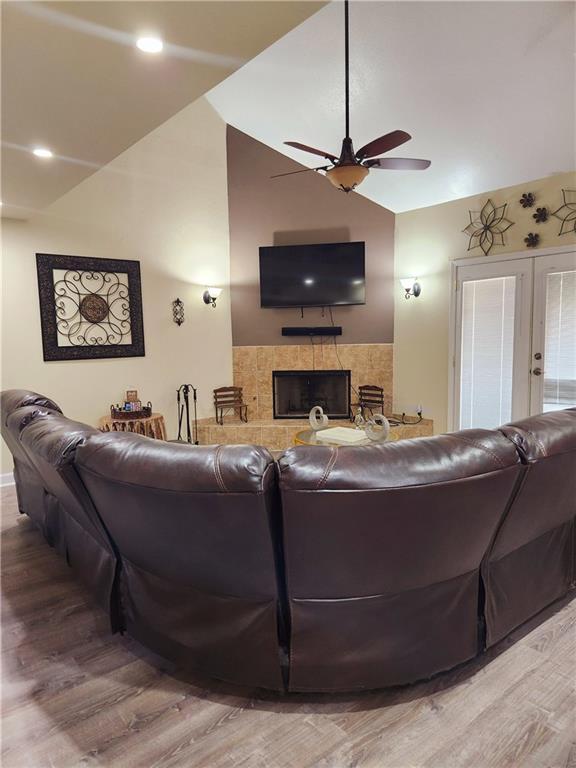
325, 275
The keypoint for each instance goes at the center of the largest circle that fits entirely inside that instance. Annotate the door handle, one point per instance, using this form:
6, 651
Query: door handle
537, 371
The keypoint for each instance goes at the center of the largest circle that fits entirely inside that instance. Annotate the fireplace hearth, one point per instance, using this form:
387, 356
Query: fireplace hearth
296, 392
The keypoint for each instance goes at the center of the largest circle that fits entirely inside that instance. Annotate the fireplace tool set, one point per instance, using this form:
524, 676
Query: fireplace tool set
183, 404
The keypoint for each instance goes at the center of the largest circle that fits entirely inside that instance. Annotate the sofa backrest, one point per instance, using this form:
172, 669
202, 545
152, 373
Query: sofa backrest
11, 400
354, 518
50, 441
547, 499
532, 561
194, 530
382, 547
198, 515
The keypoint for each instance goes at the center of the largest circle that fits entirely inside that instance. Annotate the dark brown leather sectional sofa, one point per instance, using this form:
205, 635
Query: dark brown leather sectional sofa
331, 570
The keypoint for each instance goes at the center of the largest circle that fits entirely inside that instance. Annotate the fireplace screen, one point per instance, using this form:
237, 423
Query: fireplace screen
296, 392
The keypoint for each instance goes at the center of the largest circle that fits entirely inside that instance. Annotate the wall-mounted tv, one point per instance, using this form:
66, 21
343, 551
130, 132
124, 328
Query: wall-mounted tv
325, 275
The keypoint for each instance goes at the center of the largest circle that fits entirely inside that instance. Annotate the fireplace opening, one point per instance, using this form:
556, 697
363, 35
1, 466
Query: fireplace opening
296, 392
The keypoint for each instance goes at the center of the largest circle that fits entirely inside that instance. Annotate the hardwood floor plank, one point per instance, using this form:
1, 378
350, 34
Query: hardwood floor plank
75, 696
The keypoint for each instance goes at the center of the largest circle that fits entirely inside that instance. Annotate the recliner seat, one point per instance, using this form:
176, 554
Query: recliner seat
50, 441
194, 531
383, 547
531, 562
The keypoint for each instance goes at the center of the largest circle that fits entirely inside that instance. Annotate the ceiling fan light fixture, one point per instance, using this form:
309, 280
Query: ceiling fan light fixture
347, 177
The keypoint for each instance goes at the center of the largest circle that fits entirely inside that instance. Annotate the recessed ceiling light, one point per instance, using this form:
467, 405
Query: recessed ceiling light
150, 44
42, 152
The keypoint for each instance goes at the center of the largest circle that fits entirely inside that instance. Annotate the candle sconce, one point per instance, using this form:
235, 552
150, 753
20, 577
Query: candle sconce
178, 311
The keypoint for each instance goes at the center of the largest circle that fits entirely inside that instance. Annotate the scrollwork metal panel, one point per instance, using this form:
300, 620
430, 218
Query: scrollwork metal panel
90, 308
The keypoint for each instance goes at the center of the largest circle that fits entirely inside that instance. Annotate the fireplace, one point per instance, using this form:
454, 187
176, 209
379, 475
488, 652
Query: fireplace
296, 392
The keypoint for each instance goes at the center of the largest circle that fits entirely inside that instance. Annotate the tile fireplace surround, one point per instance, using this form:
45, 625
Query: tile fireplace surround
253, 366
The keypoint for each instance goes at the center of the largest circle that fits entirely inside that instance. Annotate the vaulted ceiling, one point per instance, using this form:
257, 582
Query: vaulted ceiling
73, 81
486, 89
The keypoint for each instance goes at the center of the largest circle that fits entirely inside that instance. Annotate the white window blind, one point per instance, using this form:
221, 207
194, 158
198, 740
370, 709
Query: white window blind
560, 345
487, 352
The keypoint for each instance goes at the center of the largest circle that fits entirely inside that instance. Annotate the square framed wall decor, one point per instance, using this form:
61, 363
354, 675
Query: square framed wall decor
89, 307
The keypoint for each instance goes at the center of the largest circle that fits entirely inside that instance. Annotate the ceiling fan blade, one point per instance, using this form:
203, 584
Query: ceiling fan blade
398, 163
383, 144
320, 152
291, 173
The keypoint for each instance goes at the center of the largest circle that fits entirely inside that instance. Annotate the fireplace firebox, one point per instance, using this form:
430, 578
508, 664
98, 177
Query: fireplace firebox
296, 392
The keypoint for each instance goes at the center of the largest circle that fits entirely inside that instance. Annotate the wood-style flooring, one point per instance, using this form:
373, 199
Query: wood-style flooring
73, 695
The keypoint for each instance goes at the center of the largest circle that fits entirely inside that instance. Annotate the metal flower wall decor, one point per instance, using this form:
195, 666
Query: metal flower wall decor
527, 200
567, 212
541, 215
487, 227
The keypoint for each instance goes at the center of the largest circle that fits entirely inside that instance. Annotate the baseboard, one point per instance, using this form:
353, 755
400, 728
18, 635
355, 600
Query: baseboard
7, 479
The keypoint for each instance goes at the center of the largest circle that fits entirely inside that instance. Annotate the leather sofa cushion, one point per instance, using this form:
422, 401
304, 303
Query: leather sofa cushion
12, 399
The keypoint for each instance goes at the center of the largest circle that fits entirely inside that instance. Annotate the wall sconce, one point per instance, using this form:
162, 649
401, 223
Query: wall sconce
210, 295
411, 286
178, 311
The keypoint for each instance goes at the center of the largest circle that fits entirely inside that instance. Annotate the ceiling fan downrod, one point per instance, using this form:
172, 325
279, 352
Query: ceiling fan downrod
347, 64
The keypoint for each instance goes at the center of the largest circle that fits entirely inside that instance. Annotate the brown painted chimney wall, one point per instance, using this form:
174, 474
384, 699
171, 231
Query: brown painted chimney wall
297, 210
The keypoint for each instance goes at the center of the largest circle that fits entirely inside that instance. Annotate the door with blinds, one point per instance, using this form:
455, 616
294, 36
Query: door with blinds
515, 340
492, 343
553, 364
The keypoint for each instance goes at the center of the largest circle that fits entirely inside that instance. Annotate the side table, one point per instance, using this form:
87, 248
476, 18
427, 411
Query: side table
151, 426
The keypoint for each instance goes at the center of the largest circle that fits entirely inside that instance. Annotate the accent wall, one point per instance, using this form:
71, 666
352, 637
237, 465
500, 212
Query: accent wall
295, 210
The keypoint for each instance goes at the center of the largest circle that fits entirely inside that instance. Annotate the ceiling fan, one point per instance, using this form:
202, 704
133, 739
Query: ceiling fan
351, 168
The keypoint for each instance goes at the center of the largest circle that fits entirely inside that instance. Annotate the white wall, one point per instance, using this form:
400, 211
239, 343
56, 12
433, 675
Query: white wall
426, 241
163, 202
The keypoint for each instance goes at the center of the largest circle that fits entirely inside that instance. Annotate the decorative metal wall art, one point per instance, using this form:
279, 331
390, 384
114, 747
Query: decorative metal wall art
89, 308
527, 200
487, 227
178, 311
541, 215
532, 240
567, 212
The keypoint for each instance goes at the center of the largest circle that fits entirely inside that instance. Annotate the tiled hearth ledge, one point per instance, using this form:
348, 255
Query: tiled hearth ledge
253, 366
278, 434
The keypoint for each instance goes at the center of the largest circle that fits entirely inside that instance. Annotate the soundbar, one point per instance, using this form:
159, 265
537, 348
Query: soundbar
318, 330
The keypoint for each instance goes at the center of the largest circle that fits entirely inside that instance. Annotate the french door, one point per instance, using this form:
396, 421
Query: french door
515, 339
553, 364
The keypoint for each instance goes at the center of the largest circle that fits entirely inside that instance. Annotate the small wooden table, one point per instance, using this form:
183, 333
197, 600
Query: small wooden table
151, 426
